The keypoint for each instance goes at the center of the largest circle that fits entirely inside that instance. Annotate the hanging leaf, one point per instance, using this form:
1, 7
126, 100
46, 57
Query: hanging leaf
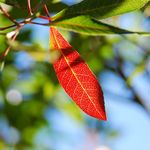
91, 26
76, 78
100, 8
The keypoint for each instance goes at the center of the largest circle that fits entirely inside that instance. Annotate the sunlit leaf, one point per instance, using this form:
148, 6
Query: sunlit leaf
72, 71
100, 8
90, 26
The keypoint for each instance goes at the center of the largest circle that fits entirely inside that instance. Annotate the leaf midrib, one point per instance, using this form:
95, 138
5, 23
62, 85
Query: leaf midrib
76, 76
78, 25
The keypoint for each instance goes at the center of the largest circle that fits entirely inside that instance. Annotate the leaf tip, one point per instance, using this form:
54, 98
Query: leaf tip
104, 118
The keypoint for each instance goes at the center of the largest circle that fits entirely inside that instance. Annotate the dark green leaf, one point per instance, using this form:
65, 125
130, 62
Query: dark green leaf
100, 8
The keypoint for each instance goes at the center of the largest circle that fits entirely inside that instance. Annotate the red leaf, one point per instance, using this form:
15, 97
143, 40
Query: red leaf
76, 78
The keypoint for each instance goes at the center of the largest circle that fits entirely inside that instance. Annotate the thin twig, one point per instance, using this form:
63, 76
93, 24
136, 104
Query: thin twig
6, 51
5, 28
8, 16
137, 98
29, 7
44, 17
42, 24
46, 11
20, 25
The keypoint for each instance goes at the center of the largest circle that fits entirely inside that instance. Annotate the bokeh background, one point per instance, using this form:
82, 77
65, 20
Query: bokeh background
36, 113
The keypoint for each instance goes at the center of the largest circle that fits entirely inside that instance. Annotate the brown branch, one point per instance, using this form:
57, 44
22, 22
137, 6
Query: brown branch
6, 51
29, 7
20, 25
8, 16
44, 17
5, 28
46, 11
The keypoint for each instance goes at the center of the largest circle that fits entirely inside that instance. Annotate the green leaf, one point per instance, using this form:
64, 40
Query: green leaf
91, 26
100, 8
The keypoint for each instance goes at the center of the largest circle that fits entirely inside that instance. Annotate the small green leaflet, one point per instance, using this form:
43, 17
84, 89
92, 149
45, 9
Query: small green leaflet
100, 8
91, 26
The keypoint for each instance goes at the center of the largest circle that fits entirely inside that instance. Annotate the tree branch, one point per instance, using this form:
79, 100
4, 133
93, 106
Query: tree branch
29, 7
8, 16
137, 98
